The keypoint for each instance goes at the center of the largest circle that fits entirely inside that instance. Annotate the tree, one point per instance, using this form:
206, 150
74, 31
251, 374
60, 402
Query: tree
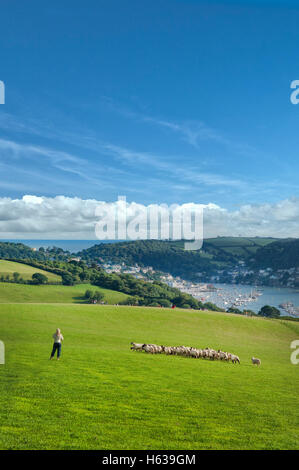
270, 312
38, 278
93, 297
164, 302
234, 310
67, 280
83, 276
98, 296
133, 300
88, 294
16, 277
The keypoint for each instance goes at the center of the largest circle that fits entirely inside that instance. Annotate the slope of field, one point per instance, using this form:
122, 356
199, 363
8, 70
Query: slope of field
9, 267
243, 247
101, 395
15, 293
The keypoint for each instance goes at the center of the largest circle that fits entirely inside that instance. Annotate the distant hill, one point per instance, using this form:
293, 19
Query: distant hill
170, 256
15, 250
282, 254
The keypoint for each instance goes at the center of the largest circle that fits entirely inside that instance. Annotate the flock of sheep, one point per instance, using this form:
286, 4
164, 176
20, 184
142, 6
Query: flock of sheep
186, 351
207, 353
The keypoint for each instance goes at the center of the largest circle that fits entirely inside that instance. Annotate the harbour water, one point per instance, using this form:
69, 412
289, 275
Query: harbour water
227, 294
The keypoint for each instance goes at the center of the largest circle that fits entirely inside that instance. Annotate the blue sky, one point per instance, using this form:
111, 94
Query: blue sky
172, 101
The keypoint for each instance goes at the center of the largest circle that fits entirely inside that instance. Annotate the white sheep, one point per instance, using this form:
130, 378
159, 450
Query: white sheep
148, 348
212, 354
235, 359
137, 346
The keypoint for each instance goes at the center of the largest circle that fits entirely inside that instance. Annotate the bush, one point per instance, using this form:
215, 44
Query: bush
88, 294
38, 278
164, 302
270, 312
67, 280
16, 277
93, 297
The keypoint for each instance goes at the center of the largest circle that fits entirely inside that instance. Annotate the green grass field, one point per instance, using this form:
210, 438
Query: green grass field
9, 267
22, 293
101, 395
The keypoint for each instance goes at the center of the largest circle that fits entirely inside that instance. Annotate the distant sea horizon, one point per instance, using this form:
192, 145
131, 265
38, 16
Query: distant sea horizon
73, 246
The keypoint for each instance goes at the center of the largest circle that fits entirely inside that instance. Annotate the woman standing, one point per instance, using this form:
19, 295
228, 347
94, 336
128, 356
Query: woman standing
57, 344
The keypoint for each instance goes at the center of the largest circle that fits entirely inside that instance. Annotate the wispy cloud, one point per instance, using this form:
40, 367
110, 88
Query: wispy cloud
76, 165
194, 132
110, 165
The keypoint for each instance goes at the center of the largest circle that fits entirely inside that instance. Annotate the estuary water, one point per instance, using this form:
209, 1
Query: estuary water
273, 296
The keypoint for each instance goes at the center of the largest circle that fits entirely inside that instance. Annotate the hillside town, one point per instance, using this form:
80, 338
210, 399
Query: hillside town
240, 274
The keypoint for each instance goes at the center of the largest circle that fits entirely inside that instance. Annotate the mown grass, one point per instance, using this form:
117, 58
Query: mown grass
101, 395
22, 293
25, 271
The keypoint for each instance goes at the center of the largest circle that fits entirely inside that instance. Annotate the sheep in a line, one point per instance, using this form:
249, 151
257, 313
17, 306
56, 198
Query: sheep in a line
207, 353
256, 361
137, 346
235, 359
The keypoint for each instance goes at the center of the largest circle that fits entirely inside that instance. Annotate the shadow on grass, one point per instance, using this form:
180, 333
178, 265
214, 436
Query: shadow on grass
80, 300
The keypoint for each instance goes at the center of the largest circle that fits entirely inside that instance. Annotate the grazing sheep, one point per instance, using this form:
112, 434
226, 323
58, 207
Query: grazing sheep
193, 352
148, 348
167, 350
223, 356
235, 359
137, 346
256, 361
212, 354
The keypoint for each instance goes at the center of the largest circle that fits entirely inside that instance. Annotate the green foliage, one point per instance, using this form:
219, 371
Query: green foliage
16, 276
93, 296
164, 302
67, 279
283, 254
9, 250
88, 294
234, 310
213, 307
268, 311
38, 278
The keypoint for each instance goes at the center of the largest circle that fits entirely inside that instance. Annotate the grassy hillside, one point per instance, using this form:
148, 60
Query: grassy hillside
240, 247
9, 267
14, 293
101, 395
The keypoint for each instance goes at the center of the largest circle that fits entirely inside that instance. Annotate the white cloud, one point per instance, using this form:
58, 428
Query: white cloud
63, 217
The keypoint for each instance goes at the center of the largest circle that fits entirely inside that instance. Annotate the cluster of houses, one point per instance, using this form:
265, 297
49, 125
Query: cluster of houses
240, 274
263, 277
136, 271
